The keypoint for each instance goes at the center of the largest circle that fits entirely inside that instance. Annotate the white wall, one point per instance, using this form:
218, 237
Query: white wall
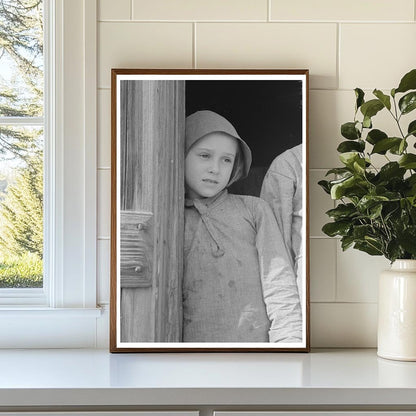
345, 44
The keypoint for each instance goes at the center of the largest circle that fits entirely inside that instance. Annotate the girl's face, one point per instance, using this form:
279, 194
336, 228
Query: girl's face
208, 165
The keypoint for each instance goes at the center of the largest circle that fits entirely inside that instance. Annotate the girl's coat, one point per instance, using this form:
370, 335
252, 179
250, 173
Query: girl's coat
238, 285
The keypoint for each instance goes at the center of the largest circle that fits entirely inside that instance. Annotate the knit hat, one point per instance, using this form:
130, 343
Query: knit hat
204, 122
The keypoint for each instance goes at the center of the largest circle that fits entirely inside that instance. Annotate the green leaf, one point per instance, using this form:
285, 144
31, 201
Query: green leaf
411, 130
360, 231
352, 187
402, 147
346, 242
350, 131
385, 99
399, 148
350, 146
408, 82
368, 248
333, 229
408, 102
375, 211
338, 189
341, 180
325, 186
371, 108
391, 212
391, 170
408, 161
359, 95
407, 239
383, 145
369, 201
359, 166
342, 211
375, 243
412, 201
411, 180
393, 250
375, 136
348, 158
367, 122
338, 171
411, 184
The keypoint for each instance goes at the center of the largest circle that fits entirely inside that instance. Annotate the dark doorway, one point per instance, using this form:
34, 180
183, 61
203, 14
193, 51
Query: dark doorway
266, 114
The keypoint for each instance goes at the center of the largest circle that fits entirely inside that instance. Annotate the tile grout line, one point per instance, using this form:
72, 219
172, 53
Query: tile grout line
310, 89
307, 22
269, 10
131, 9
353, 304
323, 237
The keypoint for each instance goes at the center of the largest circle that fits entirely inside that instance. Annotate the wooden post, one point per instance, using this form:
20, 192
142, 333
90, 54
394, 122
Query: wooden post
151, 229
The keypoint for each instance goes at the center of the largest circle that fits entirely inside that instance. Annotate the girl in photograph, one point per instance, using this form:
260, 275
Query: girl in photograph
239, 284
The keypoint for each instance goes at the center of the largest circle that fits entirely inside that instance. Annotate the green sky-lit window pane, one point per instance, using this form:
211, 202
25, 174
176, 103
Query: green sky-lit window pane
21, 214
18, 144
21, 143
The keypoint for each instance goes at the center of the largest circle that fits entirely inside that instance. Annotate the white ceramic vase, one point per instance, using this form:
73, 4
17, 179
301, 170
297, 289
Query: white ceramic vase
397, 312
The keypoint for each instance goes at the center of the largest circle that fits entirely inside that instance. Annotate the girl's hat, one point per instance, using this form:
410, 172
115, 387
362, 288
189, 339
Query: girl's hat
204, 122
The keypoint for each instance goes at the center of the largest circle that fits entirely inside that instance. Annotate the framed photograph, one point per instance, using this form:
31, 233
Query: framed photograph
209, 211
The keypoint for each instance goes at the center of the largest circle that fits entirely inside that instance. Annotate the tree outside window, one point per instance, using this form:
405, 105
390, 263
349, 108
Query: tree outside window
21, 143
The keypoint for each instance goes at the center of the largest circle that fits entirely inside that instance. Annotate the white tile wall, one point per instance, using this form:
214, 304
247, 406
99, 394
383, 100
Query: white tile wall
114, 10
270, 45
344, 325
323, 269
345, 44
200, 10
341, 10
387, 52
328, 110
357, 275
142, 45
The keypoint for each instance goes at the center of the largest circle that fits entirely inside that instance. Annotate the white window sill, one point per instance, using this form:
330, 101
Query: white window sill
36, 312
40, 327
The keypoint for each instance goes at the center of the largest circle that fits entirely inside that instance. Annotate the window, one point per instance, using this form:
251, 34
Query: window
22, 127
63, 313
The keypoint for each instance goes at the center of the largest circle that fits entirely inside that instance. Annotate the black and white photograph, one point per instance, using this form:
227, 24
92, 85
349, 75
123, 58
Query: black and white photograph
209, 210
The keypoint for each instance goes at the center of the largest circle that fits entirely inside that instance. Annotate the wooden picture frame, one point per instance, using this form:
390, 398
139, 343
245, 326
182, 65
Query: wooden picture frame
153, 307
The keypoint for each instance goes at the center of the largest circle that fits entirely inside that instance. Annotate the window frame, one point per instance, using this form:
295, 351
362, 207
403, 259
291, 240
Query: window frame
33, 296
64, 313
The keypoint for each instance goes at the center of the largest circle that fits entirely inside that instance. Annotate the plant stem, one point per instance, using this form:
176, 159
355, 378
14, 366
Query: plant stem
397, 118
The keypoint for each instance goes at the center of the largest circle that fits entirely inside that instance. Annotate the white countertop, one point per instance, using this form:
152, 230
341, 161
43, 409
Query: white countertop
96, 377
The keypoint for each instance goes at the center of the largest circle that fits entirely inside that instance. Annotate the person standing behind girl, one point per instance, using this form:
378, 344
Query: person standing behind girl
282, 189
238, 283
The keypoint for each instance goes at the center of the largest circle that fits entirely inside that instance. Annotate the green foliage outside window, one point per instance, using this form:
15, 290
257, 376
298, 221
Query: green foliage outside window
21, 147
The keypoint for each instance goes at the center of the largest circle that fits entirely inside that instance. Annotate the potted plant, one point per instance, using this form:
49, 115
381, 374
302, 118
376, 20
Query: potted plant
376, 210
